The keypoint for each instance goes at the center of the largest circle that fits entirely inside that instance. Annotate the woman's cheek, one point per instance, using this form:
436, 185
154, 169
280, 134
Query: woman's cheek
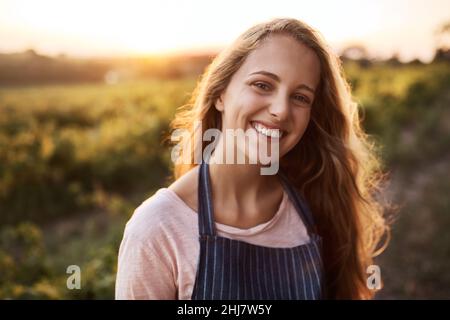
252, 101
302, 117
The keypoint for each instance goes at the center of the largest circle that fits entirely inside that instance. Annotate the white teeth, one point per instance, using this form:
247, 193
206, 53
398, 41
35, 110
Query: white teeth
273, 133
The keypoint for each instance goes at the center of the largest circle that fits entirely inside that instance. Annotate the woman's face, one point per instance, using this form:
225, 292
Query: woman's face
273, 89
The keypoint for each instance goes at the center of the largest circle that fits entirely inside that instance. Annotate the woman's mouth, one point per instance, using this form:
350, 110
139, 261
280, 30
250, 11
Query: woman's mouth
271, 132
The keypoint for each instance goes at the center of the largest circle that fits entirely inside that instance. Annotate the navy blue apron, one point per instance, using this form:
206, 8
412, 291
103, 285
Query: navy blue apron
233, 269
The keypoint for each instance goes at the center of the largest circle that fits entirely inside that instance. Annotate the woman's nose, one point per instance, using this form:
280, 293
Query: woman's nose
279, 107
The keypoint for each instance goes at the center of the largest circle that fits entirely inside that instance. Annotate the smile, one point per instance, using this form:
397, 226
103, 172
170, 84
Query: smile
268, 132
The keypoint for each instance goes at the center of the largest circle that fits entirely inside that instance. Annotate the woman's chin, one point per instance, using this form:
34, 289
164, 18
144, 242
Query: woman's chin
257, 157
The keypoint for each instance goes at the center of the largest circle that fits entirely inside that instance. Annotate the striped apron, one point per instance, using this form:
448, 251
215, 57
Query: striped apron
233, 269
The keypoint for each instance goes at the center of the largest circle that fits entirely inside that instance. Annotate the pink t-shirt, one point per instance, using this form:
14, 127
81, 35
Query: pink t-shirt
159, 252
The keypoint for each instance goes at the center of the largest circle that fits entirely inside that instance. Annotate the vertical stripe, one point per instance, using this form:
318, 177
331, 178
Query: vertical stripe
250, 270
316, 263
273, 281
238, 282
294, 268
319, 260
208, 203
206, 269
235, 273
315, 270
214, 274
230, 280
301, 267
258, 274
267, 273
318, 253
252, 289
244, 270
223, 269
262, 274
287, 273
279, 272
307, 268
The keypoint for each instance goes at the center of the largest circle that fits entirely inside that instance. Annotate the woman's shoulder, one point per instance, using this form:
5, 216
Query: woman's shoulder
186, 188
159, 216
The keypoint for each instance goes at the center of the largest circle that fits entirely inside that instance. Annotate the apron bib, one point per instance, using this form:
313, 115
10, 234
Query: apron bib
233, 269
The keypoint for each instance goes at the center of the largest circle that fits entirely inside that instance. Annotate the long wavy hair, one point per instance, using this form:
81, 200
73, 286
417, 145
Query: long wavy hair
335, 166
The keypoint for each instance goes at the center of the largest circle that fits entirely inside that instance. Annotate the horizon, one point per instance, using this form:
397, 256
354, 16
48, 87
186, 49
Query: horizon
123, 29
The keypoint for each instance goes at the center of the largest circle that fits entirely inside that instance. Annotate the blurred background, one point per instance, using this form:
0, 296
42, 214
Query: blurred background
88, 88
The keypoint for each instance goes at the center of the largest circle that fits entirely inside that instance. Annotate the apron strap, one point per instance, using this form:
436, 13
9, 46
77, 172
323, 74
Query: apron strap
299, 204
205, 203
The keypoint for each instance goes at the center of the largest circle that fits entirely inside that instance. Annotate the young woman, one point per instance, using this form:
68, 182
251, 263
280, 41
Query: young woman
226, 231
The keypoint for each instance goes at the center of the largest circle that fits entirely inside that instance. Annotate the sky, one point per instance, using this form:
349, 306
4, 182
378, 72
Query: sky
88, 28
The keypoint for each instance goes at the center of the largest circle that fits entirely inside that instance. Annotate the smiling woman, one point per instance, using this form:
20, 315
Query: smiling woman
225, 231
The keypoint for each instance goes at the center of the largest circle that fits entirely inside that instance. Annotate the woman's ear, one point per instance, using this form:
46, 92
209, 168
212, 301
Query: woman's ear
219, 103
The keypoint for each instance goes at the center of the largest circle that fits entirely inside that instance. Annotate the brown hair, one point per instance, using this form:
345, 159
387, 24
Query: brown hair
334, 165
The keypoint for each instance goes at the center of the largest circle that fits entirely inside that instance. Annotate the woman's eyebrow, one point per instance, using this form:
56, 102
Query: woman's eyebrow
276, 78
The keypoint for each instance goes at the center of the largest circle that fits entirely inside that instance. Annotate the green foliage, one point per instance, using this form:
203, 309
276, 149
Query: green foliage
59, 145
76, 160
405, 108
23, 263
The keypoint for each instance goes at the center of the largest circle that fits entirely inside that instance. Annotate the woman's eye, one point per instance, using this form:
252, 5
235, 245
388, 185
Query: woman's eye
302, 99
261, 85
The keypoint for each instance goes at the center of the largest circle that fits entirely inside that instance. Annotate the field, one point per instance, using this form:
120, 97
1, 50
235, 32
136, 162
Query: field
75, 160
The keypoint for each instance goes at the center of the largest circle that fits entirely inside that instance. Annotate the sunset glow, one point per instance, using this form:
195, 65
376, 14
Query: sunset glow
103, 28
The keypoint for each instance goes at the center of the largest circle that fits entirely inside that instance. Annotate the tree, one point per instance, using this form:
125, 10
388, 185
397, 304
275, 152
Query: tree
442, 39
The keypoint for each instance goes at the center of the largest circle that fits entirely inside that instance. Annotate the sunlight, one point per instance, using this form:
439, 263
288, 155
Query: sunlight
139, 27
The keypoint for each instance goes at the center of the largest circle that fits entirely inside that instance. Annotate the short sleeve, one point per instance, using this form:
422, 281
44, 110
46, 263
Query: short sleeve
143, 272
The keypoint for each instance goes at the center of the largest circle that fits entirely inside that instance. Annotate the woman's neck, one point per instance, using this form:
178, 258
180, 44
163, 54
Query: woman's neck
242, 194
